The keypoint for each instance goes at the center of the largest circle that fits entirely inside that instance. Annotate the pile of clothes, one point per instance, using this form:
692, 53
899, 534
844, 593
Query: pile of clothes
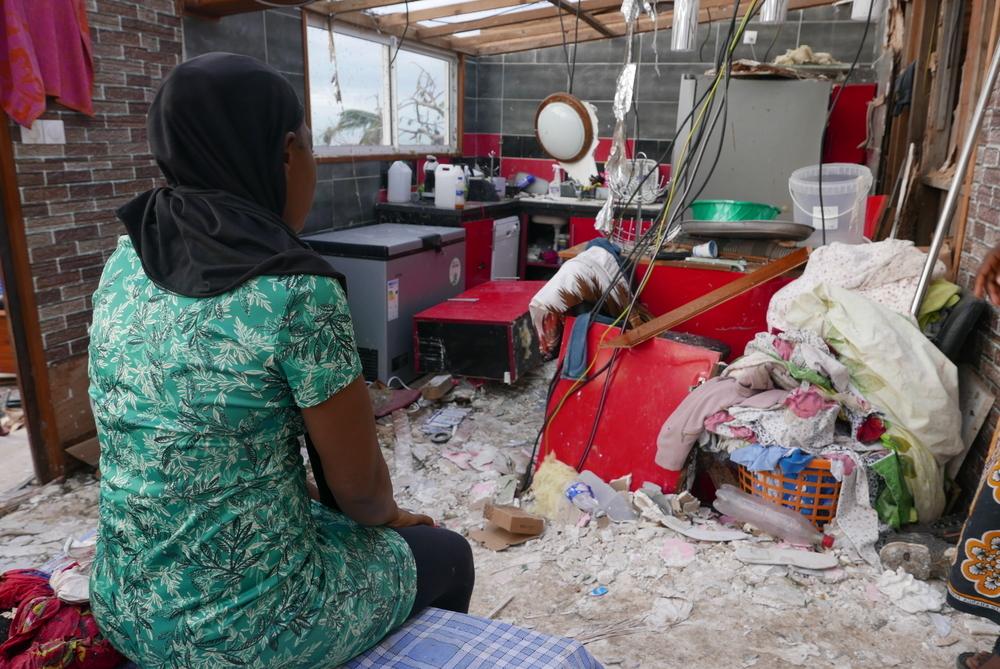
53, 626
837, 382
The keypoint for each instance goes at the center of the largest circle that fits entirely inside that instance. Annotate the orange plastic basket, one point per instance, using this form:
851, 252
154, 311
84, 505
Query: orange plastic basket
813, 492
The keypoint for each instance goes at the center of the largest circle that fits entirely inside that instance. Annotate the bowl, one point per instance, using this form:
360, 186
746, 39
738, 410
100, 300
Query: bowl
732, 210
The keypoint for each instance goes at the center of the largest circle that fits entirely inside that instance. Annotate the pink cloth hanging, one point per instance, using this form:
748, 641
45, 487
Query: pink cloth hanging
44, 51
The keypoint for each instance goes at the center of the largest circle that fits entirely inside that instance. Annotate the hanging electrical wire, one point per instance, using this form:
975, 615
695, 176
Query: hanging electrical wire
402, 37
694, 146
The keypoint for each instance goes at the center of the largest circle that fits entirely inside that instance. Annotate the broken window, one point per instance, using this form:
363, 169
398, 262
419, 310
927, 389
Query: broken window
370, 94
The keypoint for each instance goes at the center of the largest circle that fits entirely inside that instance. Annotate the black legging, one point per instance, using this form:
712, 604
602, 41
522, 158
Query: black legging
445, 571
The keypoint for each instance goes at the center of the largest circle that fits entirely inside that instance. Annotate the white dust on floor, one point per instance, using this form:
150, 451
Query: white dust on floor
15, 454
712, 612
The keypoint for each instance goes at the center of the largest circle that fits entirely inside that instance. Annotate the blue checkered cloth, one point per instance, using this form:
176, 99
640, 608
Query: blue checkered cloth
438, 639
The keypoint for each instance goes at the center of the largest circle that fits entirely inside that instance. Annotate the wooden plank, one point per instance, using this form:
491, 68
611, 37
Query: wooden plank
494, 42
371, 23
215, 9
510, 18
347, 6
19, 297
581, 15
457, 9
88, 451
694, 308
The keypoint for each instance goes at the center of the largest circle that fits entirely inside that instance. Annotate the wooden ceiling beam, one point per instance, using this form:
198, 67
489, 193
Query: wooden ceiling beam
512, 18
456, 9
491, 43
215, 9
577, 11
369, 22
347, 6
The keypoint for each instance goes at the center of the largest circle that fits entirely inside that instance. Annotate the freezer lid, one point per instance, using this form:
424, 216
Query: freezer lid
384, 241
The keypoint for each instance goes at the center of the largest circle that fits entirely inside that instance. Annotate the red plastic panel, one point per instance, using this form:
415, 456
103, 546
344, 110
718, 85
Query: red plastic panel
495, 302
734, 322
876, 206
648, 382
849, 124
478, 251
581, 230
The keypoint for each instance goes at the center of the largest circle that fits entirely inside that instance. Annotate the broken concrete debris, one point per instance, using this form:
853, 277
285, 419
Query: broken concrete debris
654, 577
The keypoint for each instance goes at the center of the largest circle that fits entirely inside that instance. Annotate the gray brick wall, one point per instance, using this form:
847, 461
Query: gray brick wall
982, 234
70, 191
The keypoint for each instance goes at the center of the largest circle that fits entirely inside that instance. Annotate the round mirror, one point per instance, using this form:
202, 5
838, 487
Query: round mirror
563, 127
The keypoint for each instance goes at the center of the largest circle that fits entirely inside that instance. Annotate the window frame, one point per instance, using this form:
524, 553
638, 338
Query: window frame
456, 86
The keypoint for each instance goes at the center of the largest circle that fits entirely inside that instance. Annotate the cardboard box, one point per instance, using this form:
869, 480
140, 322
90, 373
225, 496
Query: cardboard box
514, 520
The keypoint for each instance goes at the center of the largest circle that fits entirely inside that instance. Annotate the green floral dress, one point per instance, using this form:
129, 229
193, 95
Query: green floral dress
210, 552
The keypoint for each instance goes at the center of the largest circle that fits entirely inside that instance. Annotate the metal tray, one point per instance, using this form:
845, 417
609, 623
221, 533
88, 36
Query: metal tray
785, 230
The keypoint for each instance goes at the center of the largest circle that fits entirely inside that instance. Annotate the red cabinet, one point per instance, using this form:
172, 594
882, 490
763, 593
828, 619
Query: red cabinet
478, 251
581, 230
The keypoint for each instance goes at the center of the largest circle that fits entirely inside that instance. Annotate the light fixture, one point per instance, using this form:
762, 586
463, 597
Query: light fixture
684, 31
773, 11
564, 127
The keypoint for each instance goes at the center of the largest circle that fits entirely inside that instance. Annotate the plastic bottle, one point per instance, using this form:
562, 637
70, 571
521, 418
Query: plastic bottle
582, 497
430, 167
777, 521
461, 186
610, 501
554, 186
400, 179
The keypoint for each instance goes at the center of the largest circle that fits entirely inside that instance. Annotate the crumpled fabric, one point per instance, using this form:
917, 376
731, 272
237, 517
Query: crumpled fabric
71, 582
856, 519
784, 360
47, 633
885, 272
901, 373
941, 296
581, 279
782, 427
683, 427
46, 52
757, 458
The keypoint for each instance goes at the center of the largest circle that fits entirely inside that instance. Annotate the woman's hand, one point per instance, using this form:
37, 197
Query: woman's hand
989, 274
406, 518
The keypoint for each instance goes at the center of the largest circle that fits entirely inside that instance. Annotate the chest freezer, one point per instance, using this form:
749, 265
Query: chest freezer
393, 271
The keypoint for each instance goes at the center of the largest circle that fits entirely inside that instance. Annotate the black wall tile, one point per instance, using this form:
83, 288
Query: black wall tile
519, 117
488, 111
491, 80
321, 214
841, 39
241, 33
284, 42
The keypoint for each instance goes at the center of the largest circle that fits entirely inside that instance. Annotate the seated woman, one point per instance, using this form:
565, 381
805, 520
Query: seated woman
219, 339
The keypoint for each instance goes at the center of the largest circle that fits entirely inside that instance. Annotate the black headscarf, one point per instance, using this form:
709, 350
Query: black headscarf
217, 129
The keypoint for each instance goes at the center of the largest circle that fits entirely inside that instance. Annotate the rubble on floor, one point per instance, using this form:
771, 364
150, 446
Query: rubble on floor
638, 594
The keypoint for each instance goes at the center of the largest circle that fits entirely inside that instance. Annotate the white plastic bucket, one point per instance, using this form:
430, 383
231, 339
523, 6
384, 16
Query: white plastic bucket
845, 199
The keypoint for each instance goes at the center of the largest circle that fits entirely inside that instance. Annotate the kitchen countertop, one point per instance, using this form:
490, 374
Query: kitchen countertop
473, 211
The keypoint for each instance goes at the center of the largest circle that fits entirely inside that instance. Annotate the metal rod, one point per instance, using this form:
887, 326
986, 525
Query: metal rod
968, 146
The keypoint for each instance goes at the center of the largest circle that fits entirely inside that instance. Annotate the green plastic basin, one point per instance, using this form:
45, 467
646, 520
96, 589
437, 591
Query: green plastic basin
732, 210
